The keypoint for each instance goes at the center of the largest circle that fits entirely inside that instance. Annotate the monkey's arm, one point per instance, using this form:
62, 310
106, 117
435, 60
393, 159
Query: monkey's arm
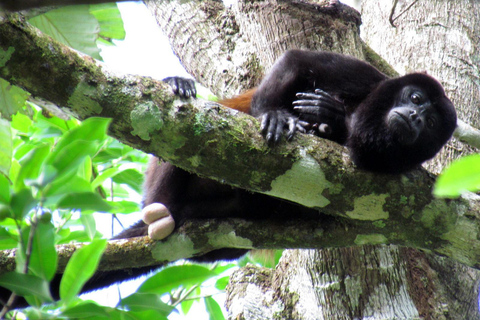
304, 71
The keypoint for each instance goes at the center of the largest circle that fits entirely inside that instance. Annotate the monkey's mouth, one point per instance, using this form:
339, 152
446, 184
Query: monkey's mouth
403, 118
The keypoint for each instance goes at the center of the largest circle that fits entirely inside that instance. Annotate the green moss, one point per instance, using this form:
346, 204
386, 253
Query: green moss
432, 216
373, 238
6, 55
174, 247
311, 188
379, 224
369, 207
146, 119
84, 101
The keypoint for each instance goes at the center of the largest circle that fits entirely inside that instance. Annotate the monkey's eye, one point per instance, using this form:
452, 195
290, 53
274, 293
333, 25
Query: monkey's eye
431, 123
415, 98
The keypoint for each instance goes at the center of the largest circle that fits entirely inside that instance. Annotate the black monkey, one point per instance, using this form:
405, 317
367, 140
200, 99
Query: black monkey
390, 125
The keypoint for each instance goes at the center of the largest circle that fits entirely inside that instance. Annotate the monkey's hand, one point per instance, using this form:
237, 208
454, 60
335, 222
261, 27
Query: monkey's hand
274, 122
159, 220
324, 113
183, 87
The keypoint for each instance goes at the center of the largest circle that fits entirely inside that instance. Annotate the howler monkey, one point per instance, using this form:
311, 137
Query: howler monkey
389, 125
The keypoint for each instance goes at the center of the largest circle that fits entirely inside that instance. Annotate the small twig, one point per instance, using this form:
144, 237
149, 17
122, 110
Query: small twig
28, 252
391, 19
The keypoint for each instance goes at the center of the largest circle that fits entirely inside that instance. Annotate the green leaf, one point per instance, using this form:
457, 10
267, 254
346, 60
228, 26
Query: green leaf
186, 305
84, 201
130, 177
67, 184
110, 20
85, 170
461, 176
70, 157
80, 268
77, 236
26, 285
43, 258
12, 99
22, 202
4, 190
31, 164
141, 315
73, 26
213, 309
82, 141
7, 240
86, 309
6, 147
37, 314
89, 223
174, 277
222, 283
104, 176
124, 206
146, 301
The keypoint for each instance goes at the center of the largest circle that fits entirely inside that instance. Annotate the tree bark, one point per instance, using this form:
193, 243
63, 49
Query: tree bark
372, 282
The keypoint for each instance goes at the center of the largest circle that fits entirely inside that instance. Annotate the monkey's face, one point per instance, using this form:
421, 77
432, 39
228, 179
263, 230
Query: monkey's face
412, 116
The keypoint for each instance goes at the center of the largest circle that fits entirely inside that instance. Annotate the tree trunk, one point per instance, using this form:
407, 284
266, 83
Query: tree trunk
228, 50
441, 38
372, 282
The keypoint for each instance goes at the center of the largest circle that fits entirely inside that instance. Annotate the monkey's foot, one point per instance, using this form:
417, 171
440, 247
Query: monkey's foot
159, 220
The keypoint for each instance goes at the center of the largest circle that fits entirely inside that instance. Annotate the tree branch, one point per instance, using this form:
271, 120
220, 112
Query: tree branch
357, 207
467, 134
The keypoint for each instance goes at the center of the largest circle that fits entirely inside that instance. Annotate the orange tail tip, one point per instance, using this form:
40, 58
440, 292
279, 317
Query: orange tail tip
240, 102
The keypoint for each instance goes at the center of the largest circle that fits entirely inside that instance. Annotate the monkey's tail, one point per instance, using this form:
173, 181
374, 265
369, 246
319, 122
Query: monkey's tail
241, 102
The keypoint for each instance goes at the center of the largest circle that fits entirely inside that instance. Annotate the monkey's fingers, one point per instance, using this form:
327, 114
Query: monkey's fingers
313, 103
302, 126
182, 87
292, 127
159, 220
268, 127
271, 127
274, 122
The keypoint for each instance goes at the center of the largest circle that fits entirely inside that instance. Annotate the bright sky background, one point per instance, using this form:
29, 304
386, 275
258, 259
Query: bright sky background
145, 50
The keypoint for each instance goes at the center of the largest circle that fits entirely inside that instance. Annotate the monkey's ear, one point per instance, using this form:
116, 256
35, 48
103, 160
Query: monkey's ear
182, 87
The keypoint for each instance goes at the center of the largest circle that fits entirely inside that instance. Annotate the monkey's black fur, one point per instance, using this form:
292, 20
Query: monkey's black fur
389, 126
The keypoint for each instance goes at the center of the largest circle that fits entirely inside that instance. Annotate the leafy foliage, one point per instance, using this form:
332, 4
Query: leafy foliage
59, 173
461, 176
81, 27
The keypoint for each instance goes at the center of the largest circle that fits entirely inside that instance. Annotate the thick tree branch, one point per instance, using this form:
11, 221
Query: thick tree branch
467, 134
216, 142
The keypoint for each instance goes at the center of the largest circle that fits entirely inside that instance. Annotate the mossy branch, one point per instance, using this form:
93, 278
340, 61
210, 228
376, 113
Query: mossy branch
210, 140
